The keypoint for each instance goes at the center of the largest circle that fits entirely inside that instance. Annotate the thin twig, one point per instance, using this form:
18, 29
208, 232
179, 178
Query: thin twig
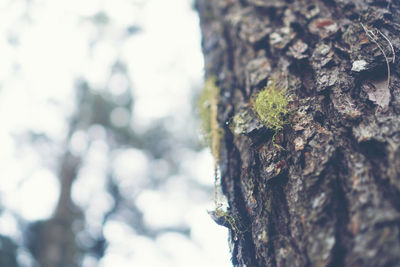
391, 46
372, 36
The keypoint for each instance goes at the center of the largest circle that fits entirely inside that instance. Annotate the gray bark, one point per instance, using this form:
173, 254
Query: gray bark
326, 192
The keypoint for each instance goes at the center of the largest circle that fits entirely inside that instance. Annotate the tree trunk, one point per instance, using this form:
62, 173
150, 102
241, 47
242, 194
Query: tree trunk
53, 241
325, 189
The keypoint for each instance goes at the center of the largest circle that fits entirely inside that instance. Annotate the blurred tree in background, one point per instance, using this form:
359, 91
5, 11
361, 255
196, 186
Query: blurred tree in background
54, 242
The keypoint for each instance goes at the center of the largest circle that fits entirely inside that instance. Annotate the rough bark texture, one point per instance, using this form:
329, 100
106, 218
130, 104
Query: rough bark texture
326, 192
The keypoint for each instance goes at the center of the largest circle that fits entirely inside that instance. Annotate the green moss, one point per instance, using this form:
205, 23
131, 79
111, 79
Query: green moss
268, 205
264, 236
208, 110
271, 106
230, 221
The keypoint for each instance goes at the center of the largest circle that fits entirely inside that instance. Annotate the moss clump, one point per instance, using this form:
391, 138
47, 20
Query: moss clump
208, 109
213, 133
225, 218
271, 106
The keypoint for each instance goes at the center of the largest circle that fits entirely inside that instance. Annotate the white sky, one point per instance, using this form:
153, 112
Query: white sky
164, 60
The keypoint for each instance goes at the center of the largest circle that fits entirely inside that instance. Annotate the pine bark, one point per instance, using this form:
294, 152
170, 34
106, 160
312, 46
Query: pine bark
324, 191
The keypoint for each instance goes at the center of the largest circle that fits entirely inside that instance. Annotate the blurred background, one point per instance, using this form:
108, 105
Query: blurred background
101, 163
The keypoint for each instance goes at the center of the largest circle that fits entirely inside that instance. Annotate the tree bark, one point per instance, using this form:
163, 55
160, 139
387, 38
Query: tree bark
325, 190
